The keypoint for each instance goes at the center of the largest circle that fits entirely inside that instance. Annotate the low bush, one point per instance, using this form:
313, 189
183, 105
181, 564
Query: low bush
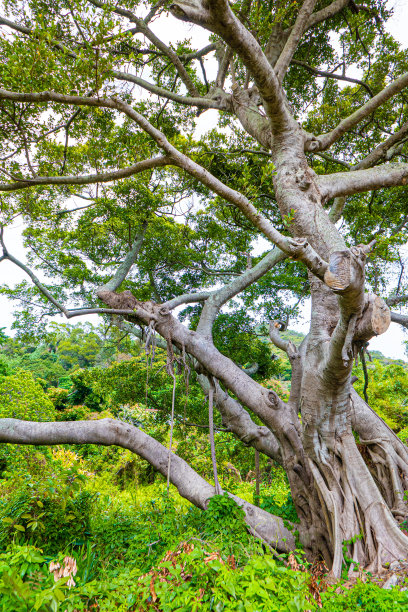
365, 597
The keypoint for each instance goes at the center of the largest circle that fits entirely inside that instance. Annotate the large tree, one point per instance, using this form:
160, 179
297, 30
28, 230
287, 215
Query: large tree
99, 156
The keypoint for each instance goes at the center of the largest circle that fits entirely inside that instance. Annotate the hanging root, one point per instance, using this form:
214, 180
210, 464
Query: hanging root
150, 352
212, 441
390, 471
186, 370
173, 398
332, 520
361, 527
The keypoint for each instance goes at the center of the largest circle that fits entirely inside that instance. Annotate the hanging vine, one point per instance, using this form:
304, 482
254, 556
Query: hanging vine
218, 489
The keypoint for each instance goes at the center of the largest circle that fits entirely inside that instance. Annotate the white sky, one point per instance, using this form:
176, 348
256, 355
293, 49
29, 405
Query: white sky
390, 343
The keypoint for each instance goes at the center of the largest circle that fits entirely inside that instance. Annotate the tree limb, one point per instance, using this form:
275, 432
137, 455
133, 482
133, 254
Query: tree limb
117, 279
380, 152
234, 416
88, 179
218, 100
327, 12
217, 17
214, 363
218, 298
34, 278
359, 181
293, 40
187, 298
297, 248
337, 209
108, 432
396, 317
323, 142
396, 299
294, 357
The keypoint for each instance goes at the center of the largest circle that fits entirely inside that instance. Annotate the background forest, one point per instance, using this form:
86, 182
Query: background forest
104, 514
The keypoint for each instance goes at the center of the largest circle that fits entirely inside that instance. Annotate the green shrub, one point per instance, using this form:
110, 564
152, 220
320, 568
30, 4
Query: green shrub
51, 512
21, 397
367, 597
403, 435
26, 583
286, 511
196, 579
59, 397
73, 413
224, 516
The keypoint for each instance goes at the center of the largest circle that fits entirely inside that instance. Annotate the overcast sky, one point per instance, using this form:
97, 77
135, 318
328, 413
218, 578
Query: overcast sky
390, 344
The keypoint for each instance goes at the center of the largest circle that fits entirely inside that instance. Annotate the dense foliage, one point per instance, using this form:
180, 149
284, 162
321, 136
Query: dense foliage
136, 547
195, 246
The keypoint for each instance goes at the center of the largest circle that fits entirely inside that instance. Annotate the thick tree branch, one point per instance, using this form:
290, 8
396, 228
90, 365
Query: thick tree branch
383, 149
396, 317
68, 313
108, 432
397, 299
234, 416
297, 248
293, 40
337, 209
327, 12
323, 142
223, 65
217, 17
359, 181
123, 270
221, 296
220, 102
245, 106
88, 179
253, 395
188, 298
295, 358
187, 57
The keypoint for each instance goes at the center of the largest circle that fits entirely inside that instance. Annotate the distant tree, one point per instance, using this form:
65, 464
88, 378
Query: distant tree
99, 157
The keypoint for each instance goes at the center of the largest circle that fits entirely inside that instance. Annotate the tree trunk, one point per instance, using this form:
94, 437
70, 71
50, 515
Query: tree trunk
356, 506
337, 499
385, 454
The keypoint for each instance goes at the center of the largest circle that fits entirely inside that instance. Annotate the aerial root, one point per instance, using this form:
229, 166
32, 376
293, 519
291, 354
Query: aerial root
390, 470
